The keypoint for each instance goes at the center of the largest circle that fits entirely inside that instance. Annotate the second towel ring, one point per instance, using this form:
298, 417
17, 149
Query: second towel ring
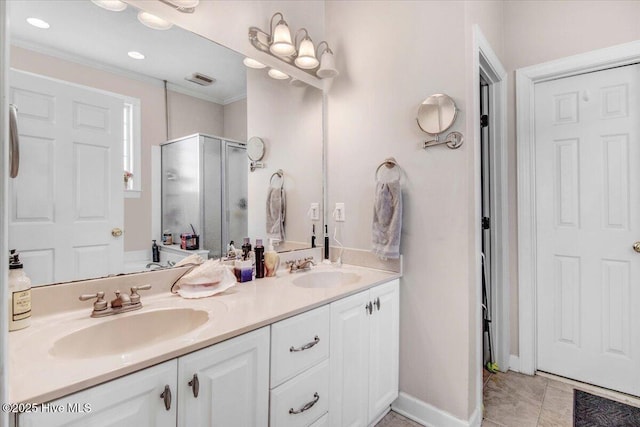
280, 174
390, 163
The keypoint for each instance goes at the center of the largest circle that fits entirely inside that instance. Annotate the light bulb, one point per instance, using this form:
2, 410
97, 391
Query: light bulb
112, 5
277, 74
153, 21
252, 63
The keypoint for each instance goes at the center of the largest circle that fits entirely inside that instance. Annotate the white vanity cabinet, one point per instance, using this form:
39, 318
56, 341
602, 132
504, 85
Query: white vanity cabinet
226, 384
143, 399
300, 369
364, 355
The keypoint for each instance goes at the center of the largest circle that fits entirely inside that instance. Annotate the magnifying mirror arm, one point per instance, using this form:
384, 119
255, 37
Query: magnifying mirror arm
453, 140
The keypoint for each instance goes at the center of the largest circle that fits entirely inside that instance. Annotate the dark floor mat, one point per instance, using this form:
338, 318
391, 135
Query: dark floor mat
595, 411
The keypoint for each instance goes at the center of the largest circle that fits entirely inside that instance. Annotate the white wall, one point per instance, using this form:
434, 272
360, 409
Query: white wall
235, 120
189, 115
540, 31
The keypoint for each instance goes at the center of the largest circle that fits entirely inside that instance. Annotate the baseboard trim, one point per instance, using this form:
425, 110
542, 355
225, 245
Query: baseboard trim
514, 363
429, 415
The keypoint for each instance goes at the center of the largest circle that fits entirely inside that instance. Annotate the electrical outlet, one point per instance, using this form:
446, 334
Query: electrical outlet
339, 213
314, 212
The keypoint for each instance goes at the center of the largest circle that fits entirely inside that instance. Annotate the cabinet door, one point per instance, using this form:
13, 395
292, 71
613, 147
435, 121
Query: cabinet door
349, 360
383, 348
233, 383
131, 401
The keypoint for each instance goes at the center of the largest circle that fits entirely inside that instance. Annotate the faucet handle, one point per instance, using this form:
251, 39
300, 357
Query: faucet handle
99, 305
135, 297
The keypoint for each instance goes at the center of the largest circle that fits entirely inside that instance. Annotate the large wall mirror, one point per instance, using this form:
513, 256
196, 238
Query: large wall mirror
97, 93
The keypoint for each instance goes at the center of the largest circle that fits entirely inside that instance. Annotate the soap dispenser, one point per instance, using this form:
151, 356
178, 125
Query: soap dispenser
19, 294
271, 260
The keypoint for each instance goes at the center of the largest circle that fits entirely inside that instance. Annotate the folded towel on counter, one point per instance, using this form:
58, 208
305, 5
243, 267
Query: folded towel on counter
276, 207
387, 219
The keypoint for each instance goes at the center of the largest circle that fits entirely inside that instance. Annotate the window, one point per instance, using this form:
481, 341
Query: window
131, 148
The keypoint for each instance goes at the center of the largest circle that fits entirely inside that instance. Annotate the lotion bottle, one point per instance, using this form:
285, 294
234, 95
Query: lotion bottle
19, 294
271, 260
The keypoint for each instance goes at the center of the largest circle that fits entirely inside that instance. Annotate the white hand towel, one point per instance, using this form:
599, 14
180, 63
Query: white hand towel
276, 207
387, 219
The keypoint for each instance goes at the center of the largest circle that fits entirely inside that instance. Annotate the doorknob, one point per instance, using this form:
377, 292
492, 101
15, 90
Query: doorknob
636, 246
116, 232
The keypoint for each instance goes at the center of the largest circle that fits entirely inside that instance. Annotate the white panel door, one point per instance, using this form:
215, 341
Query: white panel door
226, 384
131, 401
588, 218
68, 195
349, 361
384, 344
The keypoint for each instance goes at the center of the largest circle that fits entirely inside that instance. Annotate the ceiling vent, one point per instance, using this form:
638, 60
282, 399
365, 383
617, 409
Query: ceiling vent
200, 79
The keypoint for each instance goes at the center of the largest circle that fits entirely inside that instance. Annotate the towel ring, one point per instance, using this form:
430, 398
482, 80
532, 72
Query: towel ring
390, 163
280, 174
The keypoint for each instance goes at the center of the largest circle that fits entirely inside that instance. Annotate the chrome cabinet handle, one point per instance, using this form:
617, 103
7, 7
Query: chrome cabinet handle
307, 346
369, 307
377, 303
306, 406
166, 396
14, 138
195, 385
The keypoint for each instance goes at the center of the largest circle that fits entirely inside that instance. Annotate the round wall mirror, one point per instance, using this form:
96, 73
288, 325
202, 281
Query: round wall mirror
437, 113
255, 148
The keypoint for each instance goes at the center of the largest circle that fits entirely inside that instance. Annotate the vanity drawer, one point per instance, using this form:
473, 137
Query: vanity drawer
322, 422
294, 346
300, 392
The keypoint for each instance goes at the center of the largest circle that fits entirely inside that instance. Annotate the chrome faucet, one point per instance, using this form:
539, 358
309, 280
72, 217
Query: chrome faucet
298, 265
121, 304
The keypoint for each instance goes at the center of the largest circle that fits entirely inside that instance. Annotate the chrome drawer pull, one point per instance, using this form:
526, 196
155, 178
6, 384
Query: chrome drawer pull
377, 303
307, 406
166, 396
195, 385
307, 346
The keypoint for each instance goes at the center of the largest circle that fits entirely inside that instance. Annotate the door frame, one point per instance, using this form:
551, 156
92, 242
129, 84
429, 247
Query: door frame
526, 78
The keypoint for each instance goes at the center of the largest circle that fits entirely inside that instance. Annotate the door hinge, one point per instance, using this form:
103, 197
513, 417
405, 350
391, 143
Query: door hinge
484, 121
486, 222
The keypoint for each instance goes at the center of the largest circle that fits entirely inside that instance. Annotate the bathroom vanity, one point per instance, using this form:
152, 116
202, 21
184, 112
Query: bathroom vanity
314, 348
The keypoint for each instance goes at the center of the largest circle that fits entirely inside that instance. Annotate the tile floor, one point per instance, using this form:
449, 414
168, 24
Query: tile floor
516, 400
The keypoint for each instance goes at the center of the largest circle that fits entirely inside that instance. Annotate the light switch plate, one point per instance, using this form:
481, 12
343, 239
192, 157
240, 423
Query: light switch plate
314, 212
339, 214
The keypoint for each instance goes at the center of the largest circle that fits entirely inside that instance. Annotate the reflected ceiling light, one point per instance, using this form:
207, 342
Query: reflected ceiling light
281, 44
39, 23
252, 63
153, 21
112, 5
327, 68
135, 55
278, 75
306, 58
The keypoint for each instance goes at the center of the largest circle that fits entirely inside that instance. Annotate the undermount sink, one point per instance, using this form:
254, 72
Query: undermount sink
326, 279
124, 334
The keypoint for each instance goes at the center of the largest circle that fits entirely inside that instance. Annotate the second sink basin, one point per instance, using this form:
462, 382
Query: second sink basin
124, 334
326, 279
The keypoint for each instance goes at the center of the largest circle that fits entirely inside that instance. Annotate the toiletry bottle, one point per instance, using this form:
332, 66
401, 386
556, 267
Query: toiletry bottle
326, 242
271, 260
246, 248
155, 251
259, 250
313, 236
19, 294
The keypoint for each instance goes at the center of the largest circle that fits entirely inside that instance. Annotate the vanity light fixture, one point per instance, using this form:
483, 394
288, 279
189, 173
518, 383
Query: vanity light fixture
135, 55
153, 21
327, 62
38, 23
252, 63
277, 74
112, 5
281, 44
306, 58
184, 6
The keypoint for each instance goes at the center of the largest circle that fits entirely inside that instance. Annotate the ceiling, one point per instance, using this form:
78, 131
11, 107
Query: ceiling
80, 29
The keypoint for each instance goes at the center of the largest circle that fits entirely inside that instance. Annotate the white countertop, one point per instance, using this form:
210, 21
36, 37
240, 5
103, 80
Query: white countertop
36, 376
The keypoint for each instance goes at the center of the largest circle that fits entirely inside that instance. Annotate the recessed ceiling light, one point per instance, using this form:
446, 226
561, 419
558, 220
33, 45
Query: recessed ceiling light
135, 55
112, 5
153, 21
277, 74
37, 22
252, 63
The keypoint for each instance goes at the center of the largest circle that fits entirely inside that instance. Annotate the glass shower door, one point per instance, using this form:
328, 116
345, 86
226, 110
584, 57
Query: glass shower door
235, 194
